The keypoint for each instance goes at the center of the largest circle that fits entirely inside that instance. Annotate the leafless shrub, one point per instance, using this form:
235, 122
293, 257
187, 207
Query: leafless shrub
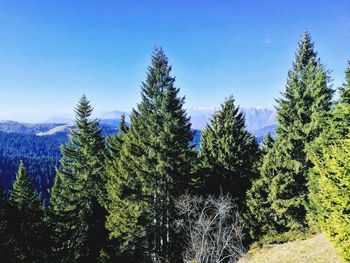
213, 229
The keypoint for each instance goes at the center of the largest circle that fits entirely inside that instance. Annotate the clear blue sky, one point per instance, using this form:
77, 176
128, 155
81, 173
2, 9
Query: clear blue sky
51, 52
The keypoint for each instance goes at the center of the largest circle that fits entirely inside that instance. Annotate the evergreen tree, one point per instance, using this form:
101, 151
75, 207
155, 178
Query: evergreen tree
153, 168
26, 220
333, 196
337, 129
114, 143
258, 216
339, 124
301, 115
301, 119
229, 154
267, 143
77, 216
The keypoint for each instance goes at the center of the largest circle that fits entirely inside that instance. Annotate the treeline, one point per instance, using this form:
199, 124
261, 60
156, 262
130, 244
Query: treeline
147, 195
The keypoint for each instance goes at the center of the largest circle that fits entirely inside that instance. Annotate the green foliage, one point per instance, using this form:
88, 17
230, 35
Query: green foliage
40, 154
153, 169
301, 115
26, 220
259, 217
333, 194
229, 154
330, 177
77, 217
336, 128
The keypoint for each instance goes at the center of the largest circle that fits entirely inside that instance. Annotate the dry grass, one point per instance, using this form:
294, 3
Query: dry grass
313, 250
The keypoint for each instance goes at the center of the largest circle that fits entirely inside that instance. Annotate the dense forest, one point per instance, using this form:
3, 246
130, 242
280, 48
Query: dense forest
148, 194
40, 153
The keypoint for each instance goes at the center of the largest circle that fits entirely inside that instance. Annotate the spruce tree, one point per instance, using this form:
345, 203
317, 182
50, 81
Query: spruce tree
26, 219
301, 115
113, 146
333, 196
337, 129
77, 216
339, 123
229, 153
258, 216
153, 168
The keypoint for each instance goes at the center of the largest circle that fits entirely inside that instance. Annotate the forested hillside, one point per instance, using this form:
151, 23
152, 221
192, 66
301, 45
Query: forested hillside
40, 155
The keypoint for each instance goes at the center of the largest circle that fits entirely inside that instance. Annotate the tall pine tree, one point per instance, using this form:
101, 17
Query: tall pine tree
259, 214
154, 167
333, 196
229, 153
330, 192
77, 215
113, 147
26, 220
336, 128
301, 114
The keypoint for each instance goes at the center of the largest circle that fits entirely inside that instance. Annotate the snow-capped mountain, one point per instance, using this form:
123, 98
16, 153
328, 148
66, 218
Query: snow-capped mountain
256, 117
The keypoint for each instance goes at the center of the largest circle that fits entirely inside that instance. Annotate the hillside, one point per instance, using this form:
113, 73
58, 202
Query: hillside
313, 250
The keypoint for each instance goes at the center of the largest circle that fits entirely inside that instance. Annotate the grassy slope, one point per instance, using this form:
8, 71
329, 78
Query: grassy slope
316, 249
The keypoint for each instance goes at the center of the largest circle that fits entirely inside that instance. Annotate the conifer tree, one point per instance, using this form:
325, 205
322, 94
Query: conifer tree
154, 167
333, 196
26, 219
259, 213
113, 146
229, 153
301, 114
267, 143
77, 216
338, 125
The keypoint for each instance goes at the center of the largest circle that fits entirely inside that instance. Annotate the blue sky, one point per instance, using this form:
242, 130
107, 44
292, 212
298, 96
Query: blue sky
51, 52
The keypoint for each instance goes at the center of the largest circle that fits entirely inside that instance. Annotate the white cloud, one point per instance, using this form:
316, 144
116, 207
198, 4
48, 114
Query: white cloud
267, 41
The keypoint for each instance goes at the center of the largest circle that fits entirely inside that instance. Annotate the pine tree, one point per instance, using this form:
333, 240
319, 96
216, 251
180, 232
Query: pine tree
26, 219
267, 143
333, 196
301, 115
339, 124
229, 154
77, 216
153, 167
258, 216
337, 129
113, 147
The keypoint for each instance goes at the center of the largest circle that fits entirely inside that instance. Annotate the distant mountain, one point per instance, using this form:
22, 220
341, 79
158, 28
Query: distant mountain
256, 118
116, 114
267, 129
26, 128
64, 129
41, 129
200, 117
60, 119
